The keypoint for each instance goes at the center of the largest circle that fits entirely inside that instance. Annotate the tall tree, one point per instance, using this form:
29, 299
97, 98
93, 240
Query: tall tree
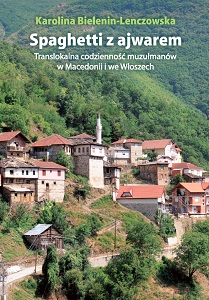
192, 255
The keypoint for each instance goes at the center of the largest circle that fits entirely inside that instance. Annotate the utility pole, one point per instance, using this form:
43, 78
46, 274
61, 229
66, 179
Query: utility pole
3, 279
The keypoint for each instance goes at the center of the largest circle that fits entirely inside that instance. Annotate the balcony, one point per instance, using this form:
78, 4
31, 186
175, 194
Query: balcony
17, 148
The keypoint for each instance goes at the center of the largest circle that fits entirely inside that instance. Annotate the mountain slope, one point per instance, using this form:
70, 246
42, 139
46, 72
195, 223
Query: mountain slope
186, 76
34, 95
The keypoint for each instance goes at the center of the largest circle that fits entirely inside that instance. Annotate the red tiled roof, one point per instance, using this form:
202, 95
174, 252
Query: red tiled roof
205, 185
192, 187
83, 136
47, 165
54, 139
185, 165
7, 136
155, 144
121, 141
141, 191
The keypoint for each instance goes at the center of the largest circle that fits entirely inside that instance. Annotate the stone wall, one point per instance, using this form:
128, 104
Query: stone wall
96, 172
51, 190
81, 165
146, 207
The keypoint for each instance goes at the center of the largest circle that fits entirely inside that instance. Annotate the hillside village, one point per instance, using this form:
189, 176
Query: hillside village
29, 173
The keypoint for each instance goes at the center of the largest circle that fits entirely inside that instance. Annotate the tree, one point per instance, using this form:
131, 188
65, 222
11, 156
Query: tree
50, 270
176, 179
125, 272
143, 236
192, 254
165, 223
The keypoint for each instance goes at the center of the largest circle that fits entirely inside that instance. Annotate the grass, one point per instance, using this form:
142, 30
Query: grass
103, 202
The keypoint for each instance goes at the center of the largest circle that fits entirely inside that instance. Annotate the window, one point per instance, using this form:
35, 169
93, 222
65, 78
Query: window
24, 194
26, 172
11, 172
22, 172
43, 172
55, 182
15, 194
47, 186
50, 171
34, 172
27, 181
79, 150
59, 173
87, 149
83, 149
42, 182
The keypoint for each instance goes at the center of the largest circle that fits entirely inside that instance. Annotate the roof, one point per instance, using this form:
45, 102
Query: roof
156, 144
123, 141
15, 163
47, 165
38, 229
205, 185
83, 136
7, 136
192, 187
141, 192
185, 165
119, 149
54, 139
14, 188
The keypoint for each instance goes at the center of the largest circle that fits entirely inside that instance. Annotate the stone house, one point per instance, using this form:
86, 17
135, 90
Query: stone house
88, 156
190, 198
125, 151
164, 147
143, 198
43, 235
51, 181
30, 182
112, 175
155, 172
18, 181
47, 148
190, 172
14, 144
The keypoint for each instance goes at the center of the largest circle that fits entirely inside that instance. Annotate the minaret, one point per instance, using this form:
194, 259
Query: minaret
99, 129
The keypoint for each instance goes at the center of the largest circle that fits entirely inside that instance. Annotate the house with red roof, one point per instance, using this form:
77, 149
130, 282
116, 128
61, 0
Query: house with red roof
47, 148
146, 199
14, 144
191, 198
125, 151
164, 147
190, 172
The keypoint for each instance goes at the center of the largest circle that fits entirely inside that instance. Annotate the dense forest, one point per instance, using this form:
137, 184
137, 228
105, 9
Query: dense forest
186, 76
36, 98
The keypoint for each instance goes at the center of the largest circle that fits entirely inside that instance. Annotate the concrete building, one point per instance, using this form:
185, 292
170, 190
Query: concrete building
190, 172
125, 151
143, 198
190, 198
164, 147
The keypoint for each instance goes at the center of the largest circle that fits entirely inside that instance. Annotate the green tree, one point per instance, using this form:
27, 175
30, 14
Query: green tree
125, 272
165, 223
50, 270
192, 255
176, 179
145, 239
